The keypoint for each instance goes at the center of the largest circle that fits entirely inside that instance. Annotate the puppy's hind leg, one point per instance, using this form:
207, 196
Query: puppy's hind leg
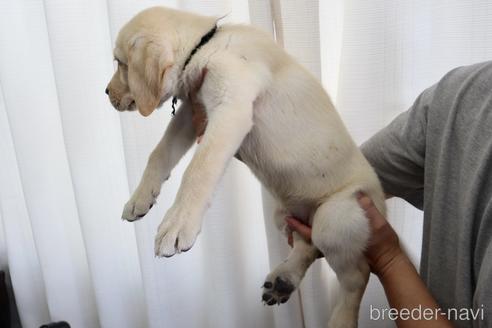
287, 276
341, 232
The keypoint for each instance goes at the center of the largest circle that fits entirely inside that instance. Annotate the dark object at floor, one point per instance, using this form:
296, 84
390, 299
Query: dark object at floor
60, 324
4, 303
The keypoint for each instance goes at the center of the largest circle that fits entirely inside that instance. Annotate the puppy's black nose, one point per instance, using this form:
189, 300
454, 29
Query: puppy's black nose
106, 91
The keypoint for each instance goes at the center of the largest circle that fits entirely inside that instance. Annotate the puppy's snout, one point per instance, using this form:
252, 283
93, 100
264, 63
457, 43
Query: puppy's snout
106, 91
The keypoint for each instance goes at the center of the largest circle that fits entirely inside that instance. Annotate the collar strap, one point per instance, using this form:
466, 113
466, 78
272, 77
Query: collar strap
203, 41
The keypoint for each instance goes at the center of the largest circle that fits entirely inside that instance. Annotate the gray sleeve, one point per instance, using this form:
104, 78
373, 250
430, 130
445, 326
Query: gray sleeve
397, 152
482, 298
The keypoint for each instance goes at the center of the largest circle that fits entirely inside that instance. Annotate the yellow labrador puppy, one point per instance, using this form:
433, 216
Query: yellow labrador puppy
263, 106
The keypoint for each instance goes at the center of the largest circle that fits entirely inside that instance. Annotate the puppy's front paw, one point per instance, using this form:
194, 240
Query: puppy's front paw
177, 233
141, 202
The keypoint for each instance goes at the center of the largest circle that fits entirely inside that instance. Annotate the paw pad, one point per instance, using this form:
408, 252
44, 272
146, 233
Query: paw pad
277, 292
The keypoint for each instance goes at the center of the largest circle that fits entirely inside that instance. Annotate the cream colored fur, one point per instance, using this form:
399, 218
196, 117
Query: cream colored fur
271, 112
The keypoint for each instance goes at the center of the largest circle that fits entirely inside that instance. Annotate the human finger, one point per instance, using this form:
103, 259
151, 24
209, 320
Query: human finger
299, 227
290, 239
375, 217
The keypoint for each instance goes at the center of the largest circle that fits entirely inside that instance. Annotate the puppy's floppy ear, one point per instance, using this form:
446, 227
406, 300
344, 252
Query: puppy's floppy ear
148, 60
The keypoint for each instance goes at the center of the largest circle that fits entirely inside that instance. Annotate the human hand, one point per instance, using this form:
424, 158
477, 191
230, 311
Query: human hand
383, 248
199, 120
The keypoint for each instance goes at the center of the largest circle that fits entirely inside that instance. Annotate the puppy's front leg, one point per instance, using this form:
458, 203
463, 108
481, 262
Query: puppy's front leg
177, 139
226, 129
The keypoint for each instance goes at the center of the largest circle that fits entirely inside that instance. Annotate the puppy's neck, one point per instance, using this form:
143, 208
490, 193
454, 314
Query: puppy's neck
187, 41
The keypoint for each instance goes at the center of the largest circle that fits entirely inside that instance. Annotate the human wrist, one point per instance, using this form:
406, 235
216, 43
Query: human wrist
390, 262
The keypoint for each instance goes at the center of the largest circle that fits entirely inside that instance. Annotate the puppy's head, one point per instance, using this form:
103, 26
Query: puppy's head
144, 54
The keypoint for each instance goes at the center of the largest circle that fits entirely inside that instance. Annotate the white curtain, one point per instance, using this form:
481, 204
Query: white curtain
68, 161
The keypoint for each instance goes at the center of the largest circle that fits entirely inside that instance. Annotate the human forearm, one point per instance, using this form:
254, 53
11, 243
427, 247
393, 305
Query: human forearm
406, 291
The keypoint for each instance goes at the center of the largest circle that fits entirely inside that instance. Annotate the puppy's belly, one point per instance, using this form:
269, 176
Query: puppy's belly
300, 186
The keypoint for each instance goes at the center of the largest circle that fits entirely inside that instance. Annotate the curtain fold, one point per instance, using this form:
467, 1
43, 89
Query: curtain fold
22, 258
32, 108
93, 143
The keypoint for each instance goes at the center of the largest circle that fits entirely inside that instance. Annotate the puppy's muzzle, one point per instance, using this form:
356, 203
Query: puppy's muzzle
125, 103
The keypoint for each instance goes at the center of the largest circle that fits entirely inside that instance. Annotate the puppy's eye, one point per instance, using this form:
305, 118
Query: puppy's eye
119, 63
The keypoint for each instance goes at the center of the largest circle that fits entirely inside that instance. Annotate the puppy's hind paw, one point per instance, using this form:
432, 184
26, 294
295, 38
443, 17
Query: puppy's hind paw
277, 291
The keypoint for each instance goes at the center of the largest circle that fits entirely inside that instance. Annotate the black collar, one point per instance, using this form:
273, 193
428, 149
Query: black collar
203, 41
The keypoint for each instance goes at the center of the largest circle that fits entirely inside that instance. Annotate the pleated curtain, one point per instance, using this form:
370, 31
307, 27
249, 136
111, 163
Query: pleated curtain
69, 161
